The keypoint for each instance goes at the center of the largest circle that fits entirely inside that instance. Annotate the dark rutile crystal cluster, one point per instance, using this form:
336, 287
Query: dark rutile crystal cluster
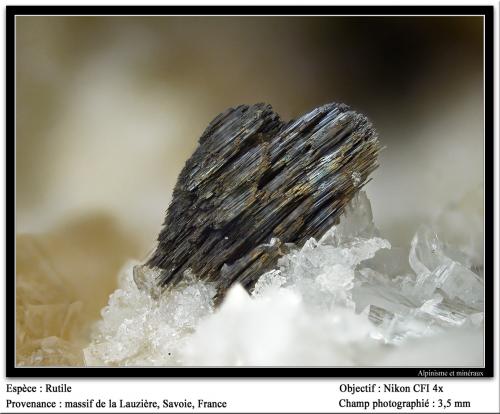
255, 185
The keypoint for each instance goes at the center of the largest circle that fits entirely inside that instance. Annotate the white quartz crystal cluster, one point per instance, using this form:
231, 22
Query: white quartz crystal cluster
349, 299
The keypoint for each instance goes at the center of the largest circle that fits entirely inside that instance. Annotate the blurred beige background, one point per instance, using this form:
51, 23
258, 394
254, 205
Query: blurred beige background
108, 109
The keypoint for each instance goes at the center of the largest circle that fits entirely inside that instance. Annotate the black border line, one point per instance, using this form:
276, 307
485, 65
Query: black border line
489, 175
251, 10
248, 372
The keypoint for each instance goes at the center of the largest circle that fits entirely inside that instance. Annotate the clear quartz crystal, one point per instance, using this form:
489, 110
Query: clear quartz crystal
346, 295
138, 328
441, 293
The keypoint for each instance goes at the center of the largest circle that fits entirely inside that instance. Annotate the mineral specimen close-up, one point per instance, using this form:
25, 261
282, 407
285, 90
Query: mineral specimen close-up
350, 296
256, 186
165, 214
269, 240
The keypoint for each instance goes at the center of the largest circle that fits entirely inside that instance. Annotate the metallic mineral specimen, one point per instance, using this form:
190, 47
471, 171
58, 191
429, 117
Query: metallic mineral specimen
256, 186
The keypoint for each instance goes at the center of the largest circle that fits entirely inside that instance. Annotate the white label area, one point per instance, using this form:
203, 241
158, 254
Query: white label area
238, 395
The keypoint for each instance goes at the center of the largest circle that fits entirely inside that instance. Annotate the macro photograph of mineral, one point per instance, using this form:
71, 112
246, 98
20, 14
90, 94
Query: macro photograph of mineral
252, 191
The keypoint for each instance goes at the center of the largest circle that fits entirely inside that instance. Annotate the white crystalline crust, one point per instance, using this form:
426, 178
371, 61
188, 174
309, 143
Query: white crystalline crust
347, 299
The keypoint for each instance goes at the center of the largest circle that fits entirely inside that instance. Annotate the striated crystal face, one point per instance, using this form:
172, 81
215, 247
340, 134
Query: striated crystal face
349, 298
254, 177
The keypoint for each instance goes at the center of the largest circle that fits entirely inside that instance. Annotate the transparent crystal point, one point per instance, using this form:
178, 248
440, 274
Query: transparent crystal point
346, 296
